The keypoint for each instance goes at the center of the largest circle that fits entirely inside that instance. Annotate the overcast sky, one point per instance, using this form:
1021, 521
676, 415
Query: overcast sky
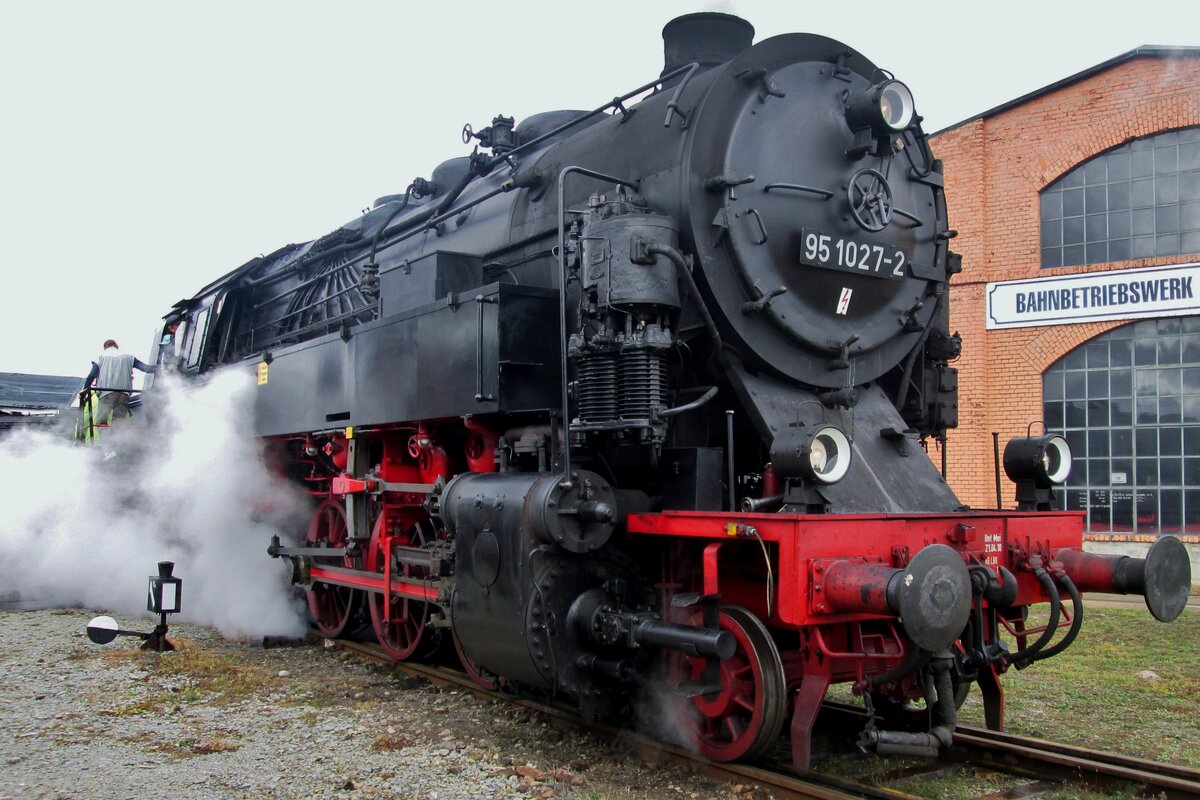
147, 148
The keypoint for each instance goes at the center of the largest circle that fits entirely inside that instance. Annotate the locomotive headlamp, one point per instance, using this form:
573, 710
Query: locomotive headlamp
826, 457
1046, 460
1036, 464
895, 105
886, 107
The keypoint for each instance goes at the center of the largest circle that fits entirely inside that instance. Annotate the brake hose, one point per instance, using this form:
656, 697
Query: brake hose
1022, 658
1076, 620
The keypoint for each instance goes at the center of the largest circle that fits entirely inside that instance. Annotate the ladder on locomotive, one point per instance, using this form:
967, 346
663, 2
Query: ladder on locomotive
88, 428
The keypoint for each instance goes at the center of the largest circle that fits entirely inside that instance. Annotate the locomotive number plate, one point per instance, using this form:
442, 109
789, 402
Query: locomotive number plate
848, 255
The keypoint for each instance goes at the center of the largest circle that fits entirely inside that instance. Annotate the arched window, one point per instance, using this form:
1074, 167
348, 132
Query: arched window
1129, 404
1139, 200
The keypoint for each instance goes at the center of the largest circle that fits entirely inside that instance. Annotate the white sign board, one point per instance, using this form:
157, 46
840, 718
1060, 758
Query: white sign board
1094, 297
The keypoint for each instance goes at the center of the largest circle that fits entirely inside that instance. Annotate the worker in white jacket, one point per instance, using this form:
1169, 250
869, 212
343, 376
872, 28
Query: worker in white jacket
112, 375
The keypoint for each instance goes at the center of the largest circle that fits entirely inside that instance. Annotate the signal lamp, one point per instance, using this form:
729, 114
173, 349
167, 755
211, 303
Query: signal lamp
162, 598
163, 594
826, 458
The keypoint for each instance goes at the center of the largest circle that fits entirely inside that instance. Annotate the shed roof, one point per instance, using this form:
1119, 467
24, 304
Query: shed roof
1145, 51
37, 392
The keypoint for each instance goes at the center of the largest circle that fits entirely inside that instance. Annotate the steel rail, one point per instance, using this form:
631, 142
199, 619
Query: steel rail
1007, 752
1067, 763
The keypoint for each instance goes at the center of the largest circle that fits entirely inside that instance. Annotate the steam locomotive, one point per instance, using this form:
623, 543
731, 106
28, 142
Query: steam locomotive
644, 391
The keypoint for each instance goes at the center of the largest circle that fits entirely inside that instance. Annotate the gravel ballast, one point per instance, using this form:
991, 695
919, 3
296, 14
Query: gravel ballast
231, 719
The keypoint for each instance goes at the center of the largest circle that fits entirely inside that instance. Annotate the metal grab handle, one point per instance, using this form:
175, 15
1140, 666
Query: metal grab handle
673, 103
796, 187
480, 397
762, 229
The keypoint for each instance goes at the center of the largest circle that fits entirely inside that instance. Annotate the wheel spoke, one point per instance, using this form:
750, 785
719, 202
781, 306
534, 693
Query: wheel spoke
735, 729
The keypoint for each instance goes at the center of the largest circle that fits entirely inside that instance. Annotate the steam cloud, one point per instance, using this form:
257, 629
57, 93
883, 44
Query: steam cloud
190, 488
722, 7
659, 712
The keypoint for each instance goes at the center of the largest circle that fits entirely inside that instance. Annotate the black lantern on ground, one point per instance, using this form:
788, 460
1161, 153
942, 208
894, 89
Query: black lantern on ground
162, 598
163, 595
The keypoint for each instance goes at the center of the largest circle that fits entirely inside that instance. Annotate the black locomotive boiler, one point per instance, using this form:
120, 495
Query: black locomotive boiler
643, 390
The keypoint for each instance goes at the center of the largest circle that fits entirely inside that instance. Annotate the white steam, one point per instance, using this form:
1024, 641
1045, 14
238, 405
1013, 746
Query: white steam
722, 7
189, 487
659, 712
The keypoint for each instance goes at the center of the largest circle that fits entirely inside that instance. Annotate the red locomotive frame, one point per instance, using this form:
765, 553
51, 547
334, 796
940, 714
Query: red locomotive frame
845, 631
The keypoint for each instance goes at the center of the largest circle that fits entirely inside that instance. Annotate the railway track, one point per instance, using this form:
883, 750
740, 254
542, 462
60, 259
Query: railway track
1039, 765
1069, 763
1051, 763
777, 782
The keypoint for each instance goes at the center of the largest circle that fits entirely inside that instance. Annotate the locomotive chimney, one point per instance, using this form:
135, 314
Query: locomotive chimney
709, 38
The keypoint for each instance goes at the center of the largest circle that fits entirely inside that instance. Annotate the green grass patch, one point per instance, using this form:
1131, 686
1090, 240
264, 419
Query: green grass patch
1128, 684
215, 676
197, 675
973, 785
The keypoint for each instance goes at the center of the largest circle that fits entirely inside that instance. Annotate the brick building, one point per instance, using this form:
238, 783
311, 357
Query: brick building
1078, 211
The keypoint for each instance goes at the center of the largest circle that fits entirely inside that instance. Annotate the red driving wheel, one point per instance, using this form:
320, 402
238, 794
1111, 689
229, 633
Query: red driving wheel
745, 717
401, 634
330, 606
